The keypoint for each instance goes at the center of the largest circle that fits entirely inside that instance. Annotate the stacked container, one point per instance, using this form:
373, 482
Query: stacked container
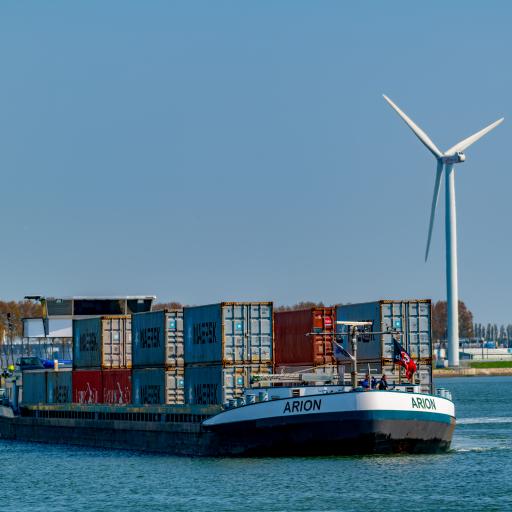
158, 363
34, 387
102, 360
304, 340
411, 318
227, 346
47, 387
102, 386
102, 343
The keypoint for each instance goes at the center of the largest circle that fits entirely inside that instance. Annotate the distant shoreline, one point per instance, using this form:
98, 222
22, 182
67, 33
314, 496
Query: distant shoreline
472, 372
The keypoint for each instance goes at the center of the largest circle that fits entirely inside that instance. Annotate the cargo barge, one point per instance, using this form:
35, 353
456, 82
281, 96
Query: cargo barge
214, 381
308, 420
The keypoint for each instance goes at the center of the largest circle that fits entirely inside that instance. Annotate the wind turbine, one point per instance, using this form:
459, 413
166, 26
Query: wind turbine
447, 160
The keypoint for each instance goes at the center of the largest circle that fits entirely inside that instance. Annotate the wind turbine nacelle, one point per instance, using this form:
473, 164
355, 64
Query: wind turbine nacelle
457, 158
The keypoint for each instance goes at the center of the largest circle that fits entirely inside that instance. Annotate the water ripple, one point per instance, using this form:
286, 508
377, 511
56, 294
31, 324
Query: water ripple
484, 420
476, 475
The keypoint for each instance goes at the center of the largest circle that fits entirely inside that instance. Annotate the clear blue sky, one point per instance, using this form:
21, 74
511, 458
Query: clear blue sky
206, 151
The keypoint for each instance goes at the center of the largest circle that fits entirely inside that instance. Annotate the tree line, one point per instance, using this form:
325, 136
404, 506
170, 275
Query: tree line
491, 332
300, 305
12, 314
440, 321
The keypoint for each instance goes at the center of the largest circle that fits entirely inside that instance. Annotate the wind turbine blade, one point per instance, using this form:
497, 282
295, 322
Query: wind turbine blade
425, 139
463, 144
434, 204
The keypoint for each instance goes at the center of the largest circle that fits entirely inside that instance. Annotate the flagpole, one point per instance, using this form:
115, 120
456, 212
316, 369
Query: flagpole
354, 356
353, 334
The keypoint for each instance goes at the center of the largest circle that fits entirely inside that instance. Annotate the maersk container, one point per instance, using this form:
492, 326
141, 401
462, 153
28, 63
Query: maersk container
229, 333
304, 337
102, 342
87, 386
157, 339
34, 387
117, 386
59, 387
158, 386
412, 318
217, 384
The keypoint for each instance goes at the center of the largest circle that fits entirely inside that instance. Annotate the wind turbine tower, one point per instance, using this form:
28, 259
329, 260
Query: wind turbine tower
446, 161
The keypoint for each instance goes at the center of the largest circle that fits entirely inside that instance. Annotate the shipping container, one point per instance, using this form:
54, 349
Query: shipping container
157, 339
216, 384
117, 386
59, 388
102, 342
87, 386
299, 336
412, 318
229, 332
34, 387
158, 386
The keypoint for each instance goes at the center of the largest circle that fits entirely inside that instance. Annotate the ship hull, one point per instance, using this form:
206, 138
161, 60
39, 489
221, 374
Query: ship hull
339, 424
338, 434
336, 424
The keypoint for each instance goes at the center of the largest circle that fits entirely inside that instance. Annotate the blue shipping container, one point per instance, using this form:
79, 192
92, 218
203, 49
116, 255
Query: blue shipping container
158, 386
216, 384
229, 333
157, 339
411, 317
59, 389
34, 387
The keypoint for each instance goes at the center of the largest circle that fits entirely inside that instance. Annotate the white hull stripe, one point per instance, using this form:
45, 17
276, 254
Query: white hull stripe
404, 405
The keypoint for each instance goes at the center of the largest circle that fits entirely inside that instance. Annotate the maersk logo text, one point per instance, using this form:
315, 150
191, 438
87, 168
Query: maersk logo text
302, 406
204, 332
424, 403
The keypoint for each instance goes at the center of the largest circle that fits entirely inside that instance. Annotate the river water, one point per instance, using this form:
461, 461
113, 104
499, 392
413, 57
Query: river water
475, 475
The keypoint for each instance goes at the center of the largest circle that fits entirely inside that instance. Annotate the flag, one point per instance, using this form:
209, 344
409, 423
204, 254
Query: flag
339, 352
402, 358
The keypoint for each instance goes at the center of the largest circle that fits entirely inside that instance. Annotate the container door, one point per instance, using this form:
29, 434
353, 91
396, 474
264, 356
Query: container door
260, 334
175, 386
323, 322
116, 342
247, 333
235, 329
174, 343
233, 383
393, 318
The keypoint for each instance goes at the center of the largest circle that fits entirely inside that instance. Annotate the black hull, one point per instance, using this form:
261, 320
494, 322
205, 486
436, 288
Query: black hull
338, 435
322, 434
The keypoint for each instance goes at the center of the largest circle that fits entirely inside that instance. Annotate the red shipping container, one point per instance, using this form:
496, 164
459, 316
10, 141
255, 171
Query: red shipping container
87, 387
292, 346
117, 386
